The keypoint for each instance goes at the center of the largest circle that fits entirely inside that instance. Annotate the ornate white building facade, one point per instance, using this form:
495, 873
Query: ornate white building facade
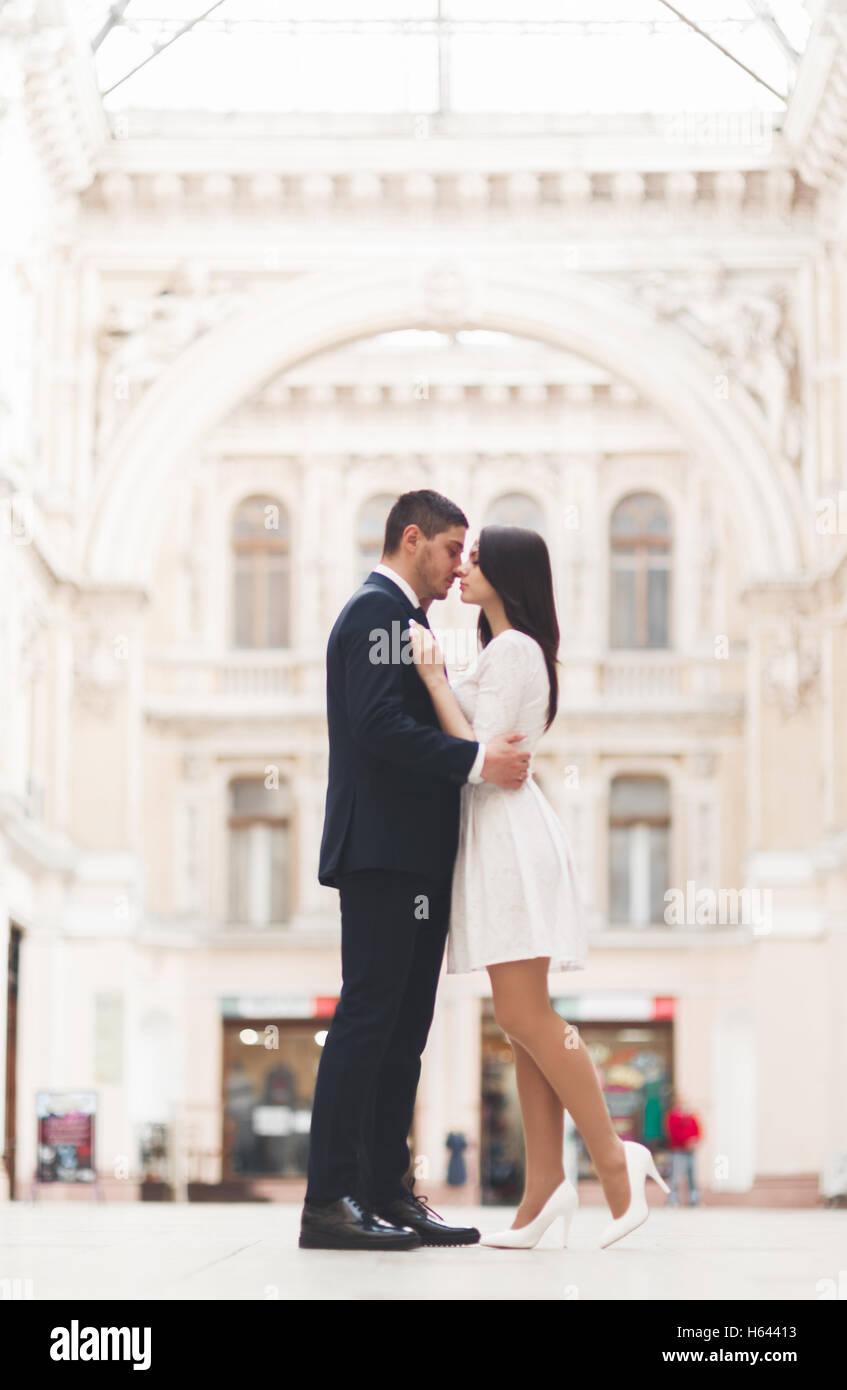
634, 341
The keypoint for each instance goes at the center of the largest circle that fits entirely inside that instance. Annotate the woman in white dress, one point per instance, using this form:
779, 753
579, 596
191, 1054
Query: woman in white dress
515, 907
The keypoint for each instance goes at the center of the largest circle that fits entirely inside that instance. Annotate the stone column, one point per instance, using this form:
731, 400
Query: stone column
308, 554
823, 466
107, 750
575, 796
701, 811
785, 718
192, 886
337, 542
309, 792
449, 1091
732, 1131
63, 384
85, 398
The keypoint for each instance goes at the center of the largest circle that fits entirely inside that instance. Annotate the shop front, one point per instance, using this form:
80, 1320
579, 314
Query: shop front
271, 1051
630, 1040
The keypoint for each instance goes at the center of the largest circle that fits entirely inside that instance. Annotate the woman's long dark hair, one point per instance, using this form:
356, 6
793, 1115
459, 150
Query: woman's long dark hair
516, 562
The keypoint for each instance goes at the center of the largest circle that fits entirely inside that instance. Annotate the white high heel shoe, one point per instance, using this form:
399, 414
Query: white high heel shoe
563, 1202
639, 1162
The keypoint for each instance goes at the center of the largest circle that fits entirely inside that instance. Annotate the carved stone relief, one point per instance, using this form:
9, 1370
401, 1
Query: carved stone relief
747, 326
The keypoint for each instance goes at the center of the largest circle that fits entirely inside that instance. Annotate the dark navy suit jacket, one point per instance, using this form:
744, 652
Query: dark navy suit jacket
394, 776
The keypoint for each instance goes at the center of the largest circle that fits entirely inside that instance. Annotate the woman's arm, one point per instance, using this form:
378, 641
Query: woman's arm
448, 709
430, 667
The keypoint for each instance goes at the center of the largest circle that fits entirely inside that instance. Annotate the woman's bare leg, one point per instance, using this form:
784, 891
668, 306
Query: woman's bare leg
523, 1010
543, 1120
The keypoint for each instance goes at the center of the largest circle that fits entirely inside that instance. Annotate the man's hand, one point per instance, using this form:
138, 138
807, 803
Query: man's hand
505, 764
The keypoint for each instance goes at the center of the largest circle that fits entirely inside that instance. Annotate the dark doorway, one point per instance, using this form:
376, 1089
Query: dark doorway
9, 1130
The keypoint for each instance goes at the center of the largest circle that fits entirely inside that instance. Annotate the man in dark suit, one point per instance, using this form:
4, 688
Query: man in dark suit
389, 842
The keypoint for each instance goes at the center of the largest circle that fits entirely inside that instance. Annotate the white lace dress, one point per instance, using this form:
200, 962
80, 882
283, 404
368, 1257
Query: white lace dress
515, 887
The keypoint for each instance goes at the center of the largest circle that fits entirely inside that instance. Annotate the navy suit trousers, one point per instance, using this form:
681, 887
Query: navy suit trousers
393, 932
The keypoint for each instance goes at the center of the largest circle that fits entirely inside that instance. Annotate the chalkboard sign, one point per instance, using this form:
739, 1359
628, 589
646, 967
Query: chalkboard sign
66, 1135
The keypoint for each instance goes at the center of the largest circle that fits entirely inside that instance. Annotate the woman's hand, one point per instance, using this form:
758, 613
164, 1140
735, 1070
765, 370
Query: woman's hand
426, 654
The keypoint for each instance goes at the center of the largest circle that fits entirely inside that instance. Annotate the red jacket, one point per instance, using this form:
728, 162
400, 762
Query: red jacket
682, 1125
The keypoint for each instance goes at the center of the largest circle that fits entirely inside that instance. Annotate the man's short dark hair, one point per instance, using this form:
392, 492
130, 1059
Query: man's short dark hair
426, 509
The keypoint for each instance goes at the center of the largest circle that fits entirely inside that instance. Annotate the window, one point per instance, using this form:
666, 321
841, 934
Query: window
261, 568
259, 852
370, 532
639, 582
639, 847
515, 509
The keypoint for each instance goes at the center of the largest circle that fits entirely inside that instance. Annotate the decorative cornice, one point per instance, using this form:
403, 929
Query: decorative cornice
771, 193
508, 388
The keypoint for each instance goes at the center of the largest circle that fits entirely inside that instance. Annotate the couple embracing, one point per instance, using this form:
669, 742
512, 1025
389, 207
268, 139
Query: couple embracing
431, 799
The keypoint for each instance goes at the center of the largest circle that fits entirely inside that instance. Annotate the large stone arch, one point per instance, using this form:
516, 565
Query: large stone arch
328, 308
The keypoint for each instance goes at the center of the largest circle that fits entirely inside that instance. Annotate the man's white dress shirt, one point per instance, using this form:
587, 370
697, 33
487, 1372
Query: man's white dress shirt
475, 774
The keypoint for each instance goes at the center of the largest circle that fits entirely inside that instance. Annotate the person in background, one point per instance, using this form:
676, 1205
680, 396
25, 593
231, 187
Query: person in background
651, 1114
457, 1172
683, 1131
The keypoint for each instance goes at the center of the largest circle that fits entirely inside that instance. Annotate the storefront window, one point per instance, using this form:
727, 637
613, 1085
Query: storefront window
635, 1063
270, 1069
502, 1153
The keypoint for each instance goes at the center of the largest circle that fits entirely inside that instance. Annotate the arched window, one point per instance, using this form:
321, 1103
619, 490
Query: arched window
259, 852
261, 568
639, 583
639, 849
515, 509
370, 531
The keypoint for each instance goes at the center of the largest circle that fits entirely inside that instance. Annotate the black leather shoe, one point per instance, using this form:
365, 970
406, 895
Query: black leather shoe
347, 1225
416, 1212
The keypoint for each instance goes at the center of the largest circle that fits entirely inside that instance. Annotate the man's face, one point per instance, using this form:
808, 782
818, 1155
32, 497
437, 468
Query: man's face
439, 562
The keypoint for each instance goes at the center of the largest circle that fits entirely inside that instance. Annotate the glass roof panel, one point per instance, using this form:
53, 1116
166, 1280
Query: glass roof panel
476, 56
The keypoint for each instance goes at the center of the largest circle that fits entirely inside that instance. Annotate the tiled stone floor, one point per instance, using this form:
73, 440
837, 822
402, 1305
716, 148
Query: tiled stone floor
204, 1251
